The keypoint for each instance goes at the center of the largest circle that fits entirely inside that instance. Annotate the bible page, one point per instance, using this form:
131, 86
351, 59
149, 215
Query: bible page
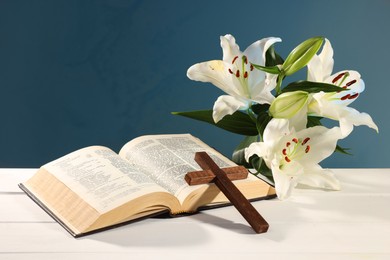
168, 158
102, 178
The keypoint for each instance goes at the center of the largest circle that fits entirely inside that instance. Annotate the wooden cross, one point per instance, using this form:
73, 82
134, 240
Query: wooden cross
212, 173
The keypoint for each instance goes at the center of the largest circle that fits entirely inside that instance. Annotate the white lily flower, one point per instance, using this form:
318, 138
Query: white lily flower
236, 76
335, 105
293, 156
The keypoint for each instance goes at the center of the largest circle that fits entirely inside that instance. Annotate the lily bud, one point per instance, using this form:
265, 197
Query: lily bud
288, 104
301, 55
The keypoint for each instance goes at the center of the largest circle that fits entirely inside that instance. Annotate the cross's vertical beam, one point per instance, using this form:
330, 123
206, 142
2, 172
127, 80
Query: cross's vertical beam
257, 222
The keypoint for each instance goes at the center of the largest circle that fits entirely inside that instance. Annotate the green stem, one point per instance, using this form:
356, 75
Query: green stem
251, 114
279, 83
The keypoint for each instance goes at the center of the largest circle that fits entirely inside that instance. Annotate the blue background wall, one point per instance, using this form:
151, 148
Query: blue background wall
76, 73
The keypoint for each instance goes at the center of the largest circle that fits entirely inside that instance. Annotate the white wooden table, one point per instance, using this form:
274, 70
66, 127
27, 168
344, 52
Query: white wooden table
350, 224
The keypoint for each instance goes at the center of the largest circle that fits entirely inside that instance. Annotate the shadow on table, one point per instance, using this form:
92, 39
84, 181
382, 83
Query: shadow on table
162, 232
152, 232
224, 223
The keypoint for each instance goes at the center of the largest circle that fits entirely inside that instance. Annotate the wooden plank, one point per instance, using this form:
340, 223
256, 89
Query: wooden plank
162, 237
353, 223
206, 176
257, 222
10, 178
20, 208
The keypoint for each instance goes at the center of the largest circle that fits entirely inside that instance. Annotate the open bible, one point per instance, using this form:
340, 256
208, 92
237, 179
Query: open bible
94, 188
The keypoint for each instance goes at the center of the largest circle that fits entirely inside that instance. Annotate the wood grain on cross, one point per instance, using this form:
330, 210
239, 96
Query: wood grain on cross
212, 173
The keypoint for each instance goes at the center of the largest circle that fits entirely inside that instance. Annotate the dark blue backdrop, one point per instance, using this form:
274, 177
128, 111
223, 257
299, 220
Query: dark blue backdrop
75, 73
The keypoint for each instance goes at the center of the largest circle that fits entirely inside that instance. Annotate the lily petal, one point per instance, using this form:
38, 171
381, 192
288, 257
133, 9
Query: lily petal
299, 120
291, 155
261, 91
227, 105
335, 105
275, 129
229, 47
258, 148
323, 142
347, 116
326, 57
314, 176
215, 72
258, 49
320, 178
320, 105
350, 80
236, 76
351, 116
320, 66
284, 184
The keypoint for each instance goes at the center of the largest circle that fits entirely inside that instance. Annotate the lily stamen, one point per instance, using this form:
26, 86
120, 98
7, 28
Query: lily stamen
306, 140
349, 96
299, 149
351, 82
338, 77
234, 59
354, 96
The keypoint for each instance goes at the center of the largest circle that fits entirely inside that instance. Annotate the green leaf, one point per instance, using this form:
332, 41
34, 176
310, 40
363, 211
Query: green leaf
255, 162
301, 55
272, 58
260, 166
259, 108
311, 87
239, 153
272, 70
262, 121
313, 121
238, 122
342, 150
